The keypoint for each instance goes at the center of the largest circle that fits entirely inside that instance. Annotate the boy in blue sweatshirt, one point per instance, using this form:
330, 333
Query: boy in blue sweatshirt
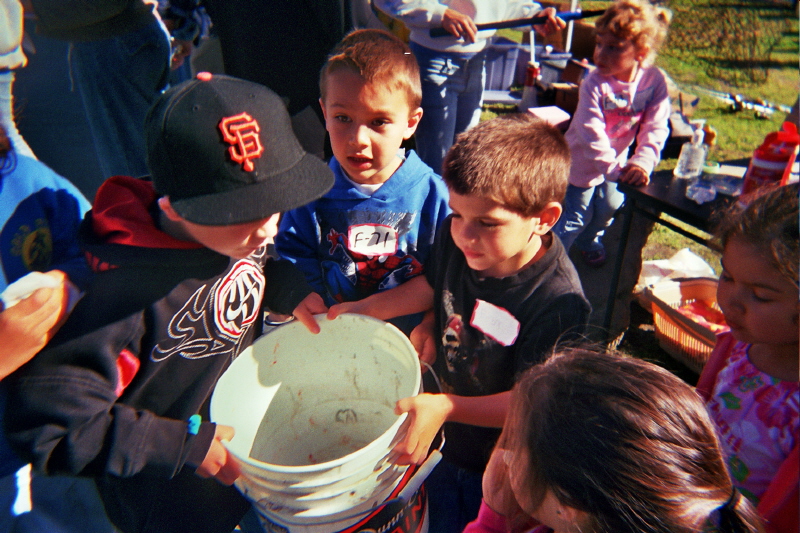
375, 228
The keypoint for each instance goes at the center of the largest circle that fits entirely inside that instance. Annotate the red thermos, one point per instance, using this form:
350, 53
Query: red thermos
772, 161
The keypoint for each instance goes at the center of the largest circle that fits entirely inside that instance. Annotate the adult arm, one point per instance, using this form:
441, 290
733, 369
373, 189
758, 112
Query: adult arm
414, 13
27, 326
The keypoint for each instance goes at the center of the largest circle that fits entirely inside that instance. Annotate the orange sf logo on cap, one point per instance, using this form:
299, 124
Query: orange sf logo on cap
241, 132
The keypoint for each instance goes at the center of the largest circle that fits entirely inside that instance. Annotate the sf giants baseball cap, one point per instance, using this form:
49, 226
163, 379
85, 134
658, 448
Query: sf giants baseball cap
223, 150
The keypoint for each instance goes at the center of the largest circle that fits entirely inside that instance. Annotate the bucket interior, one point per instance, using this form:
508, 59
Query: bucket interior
304, 402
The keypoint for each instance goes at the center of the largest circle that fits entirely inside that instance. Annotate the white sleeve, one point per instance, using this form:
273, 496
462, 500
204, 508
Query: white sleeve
414, 13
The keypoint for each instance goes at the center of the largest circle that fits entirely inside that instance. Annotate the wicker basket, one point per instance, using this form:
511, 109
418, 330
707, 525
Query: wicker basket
678, 335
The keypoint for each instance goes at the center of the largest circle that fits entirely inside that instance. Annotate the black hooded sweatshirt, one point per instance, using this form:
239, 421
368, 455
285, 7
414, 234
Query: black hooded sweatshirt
111, 394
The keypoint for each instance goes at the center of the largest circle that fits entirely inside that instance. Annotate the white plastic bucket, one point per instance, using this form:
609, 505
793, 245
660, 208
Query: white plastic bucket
314, 419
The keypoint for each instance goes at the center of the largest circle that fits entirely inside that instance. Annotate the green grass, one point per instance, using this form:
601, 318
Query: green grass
709, 45
751, 49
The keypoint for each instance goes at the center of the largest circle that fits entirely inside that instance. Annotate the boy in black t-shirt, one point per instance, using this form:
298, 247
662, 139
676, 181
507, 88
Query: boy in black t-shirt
501, 293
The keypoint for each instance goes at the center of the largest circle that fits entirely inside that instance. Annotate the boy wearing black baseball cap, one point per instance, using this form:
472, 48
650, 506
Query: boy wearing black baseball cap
182, 276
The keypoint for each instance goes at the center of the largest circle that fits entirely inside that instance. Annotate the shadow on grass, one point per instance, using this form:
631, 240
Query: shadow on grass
771, 64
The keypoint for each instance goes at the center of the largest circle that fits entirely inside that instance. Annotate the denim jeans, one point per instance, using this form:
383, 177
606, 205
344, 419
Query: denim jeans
588, 211
118, 80
454, 497
59, 504
452, 94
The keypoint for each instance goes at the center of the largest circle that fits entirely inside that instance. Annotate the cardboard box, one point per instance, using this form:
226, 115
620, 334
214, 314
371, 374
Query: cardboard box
582, 40
566, 96
553, 115
682, 102
576, 71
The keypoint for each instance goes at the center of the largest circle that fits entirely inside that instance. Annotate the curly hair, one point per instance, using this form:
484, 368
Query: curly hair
768, 220
638, 21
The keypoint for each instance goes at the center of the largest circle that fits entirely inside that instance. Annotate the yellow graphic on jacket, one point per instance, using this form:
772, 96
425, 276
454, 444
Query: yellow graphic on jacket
34, 245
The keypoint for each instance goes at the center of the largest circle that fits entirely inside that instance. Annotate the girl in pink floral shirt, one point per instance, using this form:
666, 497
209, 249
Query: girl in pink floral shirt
758, 420
751, 380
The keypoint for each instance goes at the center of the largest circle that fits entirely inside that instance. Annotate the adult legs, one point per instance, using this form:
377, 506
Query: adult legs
470, 98
119, 79
454, 497
452, 90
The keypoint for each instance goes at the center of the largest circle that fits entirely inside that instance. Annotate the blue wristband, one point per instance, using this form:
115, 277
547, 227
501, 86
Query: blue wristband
194, 424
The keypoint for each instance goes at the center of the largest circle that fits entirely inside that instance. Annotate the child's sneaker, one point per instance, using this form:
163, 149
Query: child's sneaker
594, 258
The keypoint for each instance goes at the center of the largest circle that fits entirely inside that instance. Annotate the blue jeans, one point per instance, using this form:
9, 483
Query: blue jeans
587, 213
118, 80
454, 497
452, 94
60, 504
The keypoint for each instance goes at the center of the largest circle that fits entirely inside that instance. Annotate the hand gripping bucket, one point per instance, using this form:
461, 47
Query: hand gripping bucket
315, 424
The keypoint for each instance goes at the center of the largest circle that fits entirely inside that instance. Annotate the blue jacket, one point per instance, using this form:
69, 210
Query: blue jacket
40, 213
350, 245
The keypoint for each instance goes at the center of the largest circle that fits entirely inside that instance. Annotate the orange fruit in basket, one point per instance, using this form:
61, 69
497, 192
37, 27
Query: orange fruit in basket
704, 314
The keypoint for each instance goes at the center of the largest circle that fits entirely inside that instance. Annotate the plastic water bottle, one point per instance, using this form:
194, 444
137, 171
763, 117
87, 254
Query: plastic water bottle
692, 157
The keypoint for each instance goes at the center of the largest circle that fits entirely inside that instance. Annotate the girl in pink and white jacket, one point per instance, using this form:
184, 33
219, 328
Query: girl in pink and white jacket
624, 99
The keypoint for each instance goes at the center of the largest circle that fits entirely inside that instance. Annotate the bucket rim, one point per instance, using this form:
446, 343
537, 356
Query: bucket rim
321, 468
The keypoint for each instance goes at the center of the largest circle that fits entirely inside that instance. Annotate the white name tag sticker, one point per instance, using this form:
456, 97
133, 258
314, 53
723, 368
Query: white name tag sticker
372, 239
495, 322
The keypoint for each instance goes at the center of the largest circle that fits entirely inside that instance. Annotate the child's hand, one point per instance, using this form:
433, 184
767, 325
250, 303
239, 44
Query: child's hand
634, 175
218, 462
310, 306
426, 413
28, 326
459, 25
424, 340
553, 23
359, 307
498, 495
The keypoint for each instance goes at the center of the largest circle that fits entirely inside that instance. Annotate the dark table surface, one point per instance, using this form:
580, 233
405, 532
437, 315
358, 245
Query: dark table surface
666, 193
